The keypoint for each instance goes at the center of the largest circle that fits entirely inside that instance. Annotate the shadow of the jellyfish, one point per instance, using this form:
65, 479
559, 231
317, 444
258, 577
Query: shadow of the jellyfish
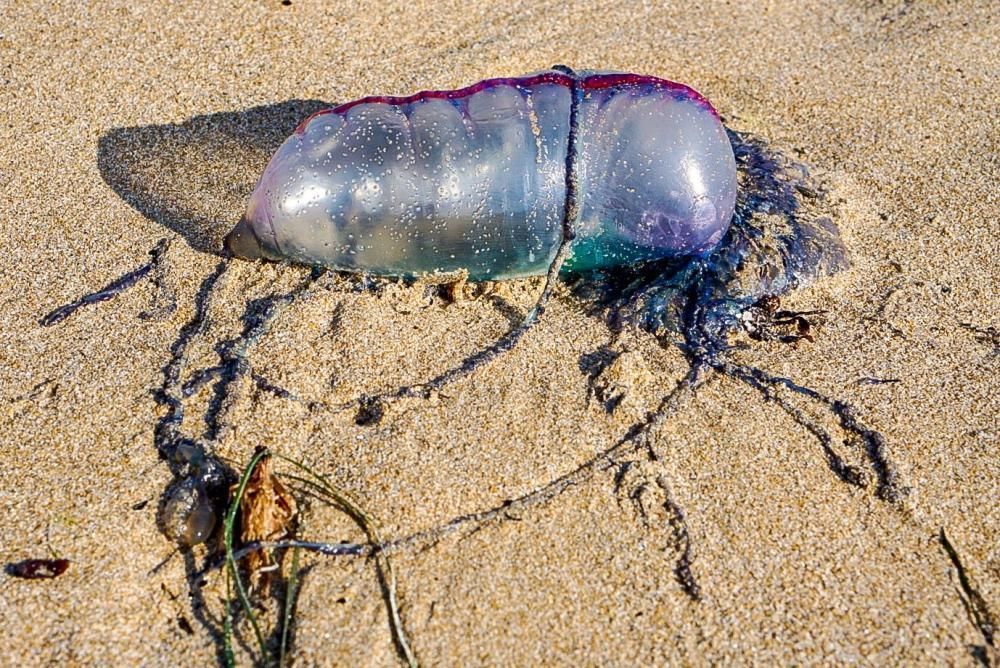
195, 177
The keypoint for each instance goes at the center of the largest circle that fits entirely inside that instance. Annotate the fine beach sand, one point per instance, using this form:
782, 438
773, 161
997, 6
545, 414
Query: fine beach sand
127, 123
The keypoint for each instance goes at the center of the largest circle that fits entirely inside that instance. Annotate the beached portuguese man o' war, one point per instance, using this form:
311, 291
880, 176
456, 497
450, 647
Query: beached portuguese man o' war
628, 187
492, 178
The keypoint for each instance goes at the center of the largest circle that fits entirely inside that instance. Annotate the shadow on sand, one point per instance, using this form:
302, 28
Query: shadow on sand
195, 177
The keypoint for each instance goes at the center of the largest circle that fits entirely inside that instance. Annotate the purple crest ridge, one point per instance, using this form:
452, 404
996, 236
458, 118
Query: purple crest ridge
587, 83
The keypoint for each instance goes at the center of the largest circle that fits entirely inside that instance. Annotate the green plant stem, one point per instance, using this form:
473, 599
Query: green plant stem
233, 567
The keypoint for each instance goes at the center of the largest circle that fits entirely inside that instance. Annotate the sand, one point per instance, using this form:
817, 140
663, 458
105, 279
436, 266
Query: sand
127, 123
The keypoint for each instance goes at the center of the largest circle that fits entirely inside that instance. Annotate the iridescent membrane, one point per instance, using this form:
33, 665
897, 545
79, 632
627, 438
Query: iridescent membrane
477, 179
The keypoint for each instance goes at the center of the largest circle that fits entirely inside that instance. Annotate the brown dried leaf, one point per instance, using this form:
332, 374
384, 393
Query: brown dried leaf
267, 513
